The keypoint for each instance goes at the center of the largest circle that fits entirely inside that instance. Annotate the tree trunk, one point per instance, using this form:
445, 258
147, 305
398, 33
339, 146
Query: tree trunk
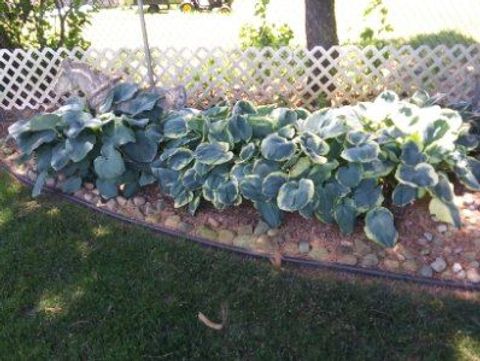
320, 23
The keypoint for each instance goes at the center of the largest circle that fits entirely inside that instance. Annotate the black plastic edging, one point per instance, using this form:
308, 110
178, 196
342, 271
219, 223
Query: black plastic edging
332, 266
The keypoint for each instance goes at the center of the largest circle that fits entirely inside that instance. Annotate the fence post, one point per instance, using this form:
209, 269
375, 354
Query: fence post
148, 57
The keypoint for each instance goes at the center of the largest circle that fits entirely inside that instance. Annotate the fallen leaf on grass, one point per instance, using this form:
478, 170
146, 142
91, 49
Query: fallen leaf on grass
213, 325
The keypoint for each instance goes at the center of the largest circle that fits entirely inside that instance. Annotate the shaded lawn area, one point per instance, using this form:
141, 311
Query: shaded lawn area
78, 286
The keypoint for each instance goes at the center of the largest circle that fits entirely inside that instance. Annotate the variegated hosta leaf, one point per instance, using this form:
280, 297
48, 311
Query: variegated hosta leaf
241, 170
263, 167
295, 195
287, 132
227, 194
326, 197
319, 173
445, 212
345, 215
350, 175
403, 195
412, 154
367, 195
243, 107
380, 228
314, 147
324, 123
421, 175
175, 126
357, 137
272, 183
166, 178
251, 188
213, 153
192, 180
270, 213
277, 148
443, 190
180, 158
300, 168
284, 116
247, 152
239, 128
468, 171
363, 153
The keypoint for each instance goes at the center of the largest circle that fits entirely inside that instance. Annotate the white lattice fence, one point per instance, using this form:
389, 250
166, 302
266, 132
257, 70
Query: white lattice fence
291, 76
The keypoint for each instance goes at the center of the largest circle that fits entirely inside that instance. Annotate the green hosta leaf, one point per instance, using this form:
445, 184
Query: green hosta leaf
277, 148
117, 134
362, 154
351, 175
239, 128
218, 132
380, 228
367, 195
72, 184
270, 213
435, 131
143, 150
109, 164
28, 142
39, 183
44, 122
421, 175
272, 183
443, 190
251, 188
314, 146
345, 215
107, 187
247, 152
219, 111
411, 154
445, 212
302, 113
78, 148
403, 195
175, 127
213, 153
294, 195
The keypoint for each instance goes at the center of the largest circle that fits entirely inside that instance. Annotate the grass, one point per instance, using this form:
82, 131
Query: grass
78, 286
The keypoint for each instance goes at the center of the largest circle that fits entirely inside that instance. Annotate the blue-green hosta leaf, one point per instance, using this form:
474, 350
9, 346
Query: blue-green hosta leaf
263, 167
146, 178
277, 148
182, 198
78, 148
380, 228
445, 212
123, 92
213, 153
421, 175
60, 157
166, 178
403, 195
43, 157
192, 180
378, 168
39, 183
217, 176
443, 190
326, 197
201, 168
314, 147
109, 164
154, 132
469, 141
363, 153
295, 195
218, 132
227, 194
143, 150
468, 171
251, 188
270, 213
77, 121
28, 142
247, 152
338, 188
241, 170
107, 187
175, 127
180, 158
272, 183
44, 122
287, 132
239, 128
116, 133
357, 137
367, 195
243, 107
300, 168
143, 102
350, 175
345, 215
72, 184
412, 154
284, 116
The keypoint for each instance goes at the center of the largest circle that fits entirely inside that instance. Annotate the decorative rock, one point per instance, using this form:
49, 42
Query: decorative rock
442, 228
89, 186
111, 204
264, 243
319, 253
159, 204
470, 256
457, 267
139, 201
370, 260
50, 182
213, 222
279, 239
78, 194
348, 259
245, 230
425, 251
154, 218
225, 236
410, 266
428, 236
439, 265
458, 250
122, 201
438, 242
474, 264
361, 247
272, 232
206, 232
88, 197
184, 227
31, 175
477, 243
304, 247
473, 275
426, 271
422, 241
149, 209
172, 221
261, 228
243, 240
391, 264
462, 274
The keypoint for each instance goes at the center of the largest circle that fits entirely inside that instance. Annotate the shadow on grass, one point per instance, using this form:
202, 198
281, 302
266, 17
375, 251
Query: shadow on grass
76, 285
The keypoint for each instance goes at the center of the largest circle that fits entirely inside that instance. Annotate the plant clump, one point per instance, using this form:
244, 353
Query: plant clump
338, 165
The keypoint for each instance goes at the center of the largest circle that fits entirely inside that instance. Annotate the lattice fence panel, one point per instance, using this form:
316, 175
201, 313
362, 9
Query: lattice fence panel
286, 76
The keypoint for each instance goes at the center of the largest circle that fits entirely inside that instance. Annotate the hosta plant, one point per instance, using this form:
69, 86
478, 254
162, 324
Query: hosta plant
338, 165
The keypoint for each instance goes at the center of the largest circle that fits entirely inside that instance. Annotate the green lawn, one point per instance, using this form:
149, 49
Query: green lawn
78, 286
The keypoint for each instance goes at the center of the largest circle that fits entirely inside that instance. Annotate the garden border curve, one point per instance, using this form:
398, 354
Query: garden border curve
332, 266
